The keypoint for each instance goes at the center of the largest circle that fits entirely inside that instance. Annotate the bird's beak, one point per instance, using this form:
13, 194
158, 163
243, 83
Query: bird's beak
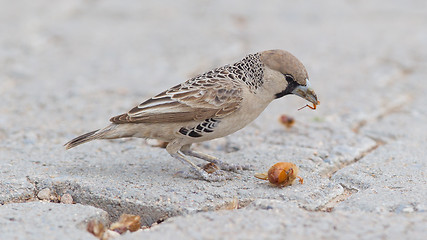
307, 93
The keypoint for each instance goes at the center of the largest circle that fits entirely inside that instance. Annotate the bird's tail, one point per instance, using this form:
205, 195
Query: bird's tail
110, 132
106, 133
82, 139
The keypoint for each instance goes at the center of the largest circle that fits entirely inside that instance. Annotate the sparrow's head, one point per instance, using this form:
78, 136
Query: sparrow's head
292, 71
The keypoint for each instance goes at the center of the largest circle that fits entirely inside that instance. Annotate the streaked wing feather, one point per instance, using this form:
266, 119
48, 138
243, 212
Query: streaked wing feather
192, 100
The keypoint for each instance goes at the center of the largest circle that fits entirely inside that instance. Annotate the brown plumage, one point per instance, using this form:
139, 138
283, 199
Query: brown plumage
187, 102
211, 105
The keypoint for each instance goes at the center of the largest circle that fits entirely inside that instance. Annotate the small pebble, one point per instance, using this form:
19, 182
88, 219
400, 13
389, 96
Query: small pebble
44, 194
67, 199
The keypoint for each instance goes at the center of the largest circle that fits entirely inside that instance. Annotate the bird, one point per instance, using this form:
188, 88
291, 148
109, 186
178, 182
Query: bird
209, 106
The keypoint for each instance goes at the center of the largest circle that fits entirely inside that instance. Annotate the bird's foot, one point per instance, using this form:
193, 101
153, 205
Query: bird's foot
215, 176
222, 165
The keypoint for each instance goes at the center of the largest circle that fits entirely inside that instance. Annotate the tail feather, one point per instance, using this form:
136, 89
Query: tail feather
110, 132
82, 139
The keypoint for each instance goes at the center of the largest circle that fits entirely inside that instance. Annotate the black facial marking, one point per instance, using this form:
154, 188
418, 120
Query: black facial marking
292, 84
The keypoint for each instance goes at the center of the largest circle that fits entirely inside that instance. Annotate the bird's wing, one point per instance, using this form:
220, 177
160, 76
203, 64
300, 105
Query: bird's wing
197, 99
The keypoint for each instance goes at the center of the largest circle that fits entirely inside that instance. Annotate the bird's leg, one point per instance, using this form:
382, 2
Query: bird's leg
173, 149
213, 177
222, 165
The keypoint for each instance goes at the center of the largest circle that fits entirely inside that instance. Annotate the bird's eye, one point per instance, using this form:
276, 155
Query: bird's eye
289, 78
